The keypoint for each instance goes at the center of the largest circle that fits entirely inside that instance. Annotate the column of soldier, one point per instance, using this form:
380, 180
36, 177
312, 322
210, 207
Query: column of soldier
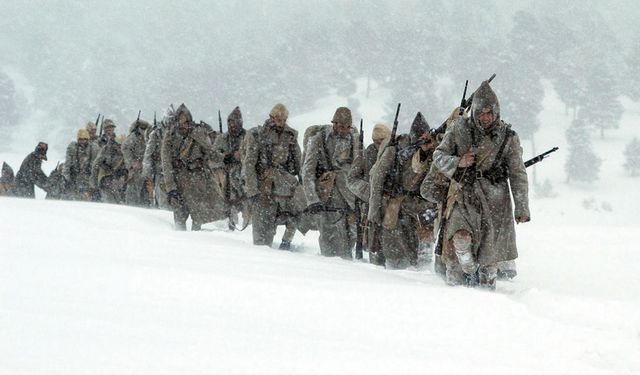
398, 199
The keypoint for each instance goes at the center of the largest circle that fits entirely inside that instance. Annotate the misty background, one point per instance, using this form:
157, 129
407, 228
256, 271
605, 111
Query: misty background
63, 62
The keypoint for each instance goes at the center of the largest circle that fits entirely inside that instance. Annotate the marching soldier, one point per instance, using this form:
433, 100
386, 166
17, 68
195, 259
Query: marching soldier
228, 167
151, 163
108, 173
407, 231
76, 169
483, 157
326, 165
30, 173
271, 171
133, 151
186, 155
358, 180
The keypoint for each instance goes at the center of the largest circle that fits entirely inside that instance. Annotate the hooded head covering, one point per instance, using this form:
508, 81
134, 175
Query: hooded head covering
343, 116
418, 127
184, 111
235, 117
7, 173
485, 97
83, 134
380, 132
90, 126
279, 111
169, 116
41, 150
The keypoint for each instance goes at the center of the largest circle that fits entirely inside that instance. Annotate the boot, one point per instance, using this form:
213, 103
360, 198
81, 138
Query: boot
471, 280
285, 245
195, 226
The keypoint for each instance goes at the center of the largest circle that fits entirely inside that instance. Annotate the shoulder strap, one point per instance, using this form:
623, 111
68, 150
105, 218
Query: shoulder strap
507, 135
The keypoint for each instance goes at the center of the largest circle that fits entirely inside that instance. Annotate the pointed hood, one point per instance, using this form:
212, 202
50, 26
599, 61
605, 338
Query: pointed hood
418, 127
7, 173
485, 97
235, 117
184, 110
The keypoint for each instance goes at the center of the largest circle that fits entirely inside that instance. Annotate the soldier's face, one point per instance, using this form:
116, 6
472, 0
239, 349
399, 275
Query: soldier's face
183, 126
280, 122
426, 136
377, 143
83, 142
92, 132
110, 132
341, 129
486, 117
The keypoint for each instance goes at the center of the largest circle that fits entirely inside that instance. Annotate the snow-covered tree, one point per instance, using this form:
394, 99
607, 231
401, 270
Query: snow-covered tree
601, 108
583, 164
632, 157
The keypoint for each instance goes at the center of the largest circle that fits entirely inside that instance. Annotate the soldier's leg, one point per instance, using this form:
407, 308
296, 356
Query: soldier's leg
395, 248
425, 245
132, 193
487, 276
376, 254
507, 270
263, 221
287, 237
462, 246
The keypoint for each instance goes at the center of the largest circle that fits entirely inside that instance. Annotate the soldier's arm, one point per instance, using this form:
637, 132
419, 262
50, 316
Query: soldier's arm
355, 178
40, 178
220, 150
95, 168
297, 157
167, 165
309, 168
68, 161
444, 156
127, 151
149, 150
518, 179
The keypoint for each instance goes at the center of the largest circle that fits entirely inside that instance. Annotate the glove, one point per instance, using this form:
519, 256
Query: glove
315, 208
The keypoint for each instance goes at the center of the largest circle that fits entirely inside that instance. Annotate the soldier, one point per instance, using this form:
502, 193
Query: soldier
109, 132
407, 226
57, 184
108, 172
186, 155
6, 180
76, 169
133, 149
30, 173
435, 187
324, 177
228, 167
151, 164
93, 136
271, 171
483, 157
358, 182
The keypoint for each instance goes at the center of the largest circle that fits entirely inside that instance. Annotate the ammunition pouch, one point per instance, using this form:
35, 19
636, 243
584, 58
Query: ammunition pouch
326, 182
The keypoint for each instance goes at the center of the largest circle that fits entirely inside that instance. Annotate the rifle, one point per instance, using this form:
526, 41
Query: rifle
358, 208
539, 158
155, 124
219, 122
97, 120
394, 131
443, 221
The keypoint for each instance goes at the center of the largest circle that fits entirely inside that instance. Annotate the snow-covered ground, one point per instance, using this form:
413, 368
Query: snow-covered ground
100, 289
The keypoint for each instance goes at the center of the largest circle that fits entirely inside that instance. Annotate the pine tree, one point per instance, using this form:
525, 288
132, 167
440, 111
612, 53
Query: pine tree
601, 108
582, 164
632, 157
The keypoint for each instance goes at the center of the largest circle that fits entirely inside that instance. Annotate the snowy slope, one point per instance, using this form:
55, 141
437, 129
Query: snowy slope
90, 288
